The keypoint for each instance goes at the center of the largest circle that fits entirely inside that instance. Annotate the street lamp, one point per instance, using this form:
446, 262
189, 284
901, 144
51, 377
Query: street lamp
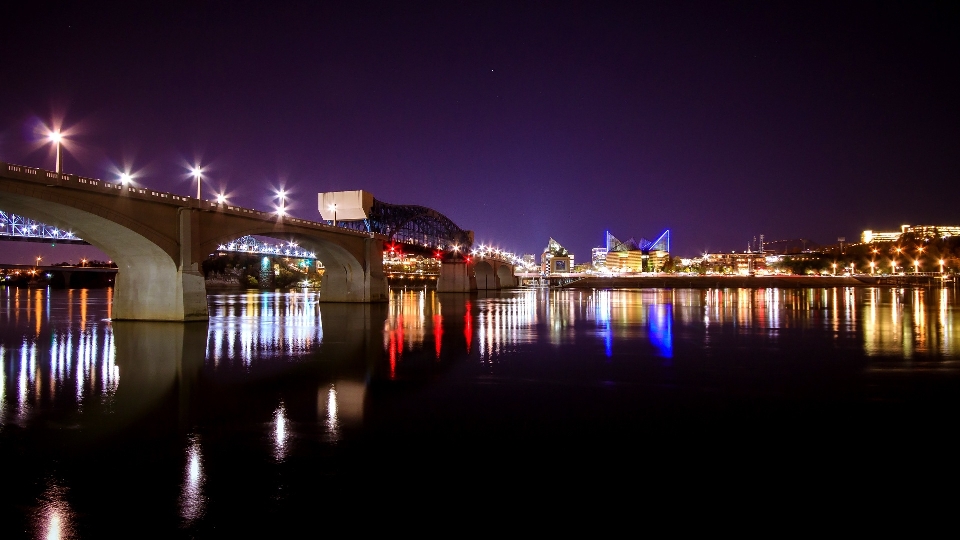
916, 266
125, 178
221, 198
38, 260
852, 271
872, 264
333, 208
893, 266
834, 268
941, 266
56, 137
197, 172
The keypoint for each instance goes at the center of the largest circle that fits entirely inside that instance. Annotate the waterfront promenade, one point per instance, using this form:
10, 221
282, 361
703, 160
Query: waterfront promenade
674, 281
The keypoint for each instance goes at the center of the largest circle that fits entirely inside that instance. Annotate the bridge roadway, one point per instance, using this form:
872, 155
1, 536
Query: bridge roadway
158, 240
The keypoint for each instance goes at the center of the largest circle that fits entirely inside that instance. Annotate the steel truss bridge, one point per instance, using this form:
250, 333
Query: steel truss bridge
14, 227
249, 244
422, 229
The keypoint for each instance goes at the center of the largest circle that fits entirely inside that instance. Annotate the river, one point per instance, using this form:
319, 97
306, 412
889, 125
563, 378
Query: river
282, 412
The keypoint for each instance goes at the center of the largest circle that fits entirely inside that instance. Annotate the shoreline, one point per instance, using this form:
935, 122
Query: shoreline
745, 282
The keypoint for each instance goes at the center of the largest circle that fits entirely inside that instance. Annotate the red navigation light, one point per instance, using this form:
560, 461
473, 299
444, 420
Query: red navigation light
468, 259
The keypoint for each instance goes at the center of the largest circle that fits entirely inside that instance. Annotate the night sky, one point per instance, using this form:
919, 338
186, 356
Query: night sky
521, 121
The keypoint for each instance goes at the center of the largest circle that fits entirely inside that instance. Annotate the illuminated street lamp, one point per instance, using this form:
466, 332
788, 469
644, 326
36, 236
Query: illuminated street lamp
333, 208
834, 268
941, 266
893, 266
83, 262
56, 137
916, 266
197, 173
125, 178
221, 198
872, 264
38, 260
852, 271
283, 202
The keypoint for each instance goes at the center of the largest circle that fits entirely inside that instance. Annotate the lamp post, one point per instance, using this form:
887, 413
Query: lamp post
38, 261
125, 178
872, 264
834, 268
893, 266
283, 202
56, 137
916, 266
197, 172
333, 208
941, 266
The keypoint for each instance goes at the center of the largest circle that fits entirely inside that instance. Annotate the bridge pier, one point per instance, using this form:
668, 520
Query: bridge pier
456, 276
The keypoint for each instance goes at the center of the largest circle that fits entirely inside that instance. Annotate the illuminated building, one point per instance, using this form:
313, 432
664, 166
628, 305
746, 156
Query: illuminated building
556, 259
920, 231
634, 256
745, 263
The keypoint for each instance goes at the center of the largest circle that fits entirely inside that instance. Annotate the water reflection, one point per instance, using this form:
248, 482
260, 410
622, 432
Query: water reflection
53, 518
899, 322
254, 325
911, 322
192, 500
54, 364
280, 435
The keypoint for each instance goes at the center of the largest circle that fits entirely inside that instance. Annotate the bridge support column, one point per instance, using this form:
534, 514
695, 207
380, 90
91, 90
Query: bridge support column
456, 276
193, 288
375, 280
150, 286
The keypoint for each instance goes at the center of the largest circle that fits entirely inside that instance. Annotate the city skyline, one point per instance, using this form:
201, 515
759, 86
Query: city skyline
521, 122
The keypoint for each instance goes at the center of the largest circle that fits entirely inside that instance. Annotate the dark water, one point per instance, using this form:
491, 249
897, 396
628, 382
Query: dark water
283, 414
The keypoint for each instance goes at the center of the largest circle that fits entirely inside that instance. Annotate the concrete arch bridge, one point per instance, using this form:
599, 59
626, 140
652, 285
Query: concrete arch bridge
159, 239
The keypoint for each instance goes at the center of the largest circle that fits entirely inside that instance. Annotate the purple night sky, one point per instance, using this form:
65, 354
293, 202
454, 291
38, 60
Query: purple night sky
521, 121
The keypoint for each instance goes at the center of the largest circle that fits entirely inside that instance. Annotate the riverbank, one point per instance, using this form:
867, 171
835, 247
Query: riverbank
725, 282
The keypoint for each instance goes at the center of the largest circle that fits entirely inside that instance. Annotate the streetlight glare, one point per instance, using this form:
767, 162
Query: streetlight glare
55, 137
198, 174
125, 178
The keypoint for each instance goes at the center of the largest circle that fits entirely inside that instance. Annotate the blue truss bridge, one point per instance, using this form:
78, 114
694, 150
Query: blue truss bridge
19, 228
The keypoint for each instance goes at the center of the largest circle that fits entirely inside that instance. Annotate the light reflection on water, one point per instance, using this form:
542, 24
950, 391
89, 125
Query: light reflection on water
80, 358
53, 519
192, 499
59, 352
280, 433
253, 324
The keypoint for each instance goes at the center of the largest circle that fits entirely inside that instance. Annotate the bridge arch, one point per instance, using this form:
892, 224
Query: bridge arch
348, 273
149, 284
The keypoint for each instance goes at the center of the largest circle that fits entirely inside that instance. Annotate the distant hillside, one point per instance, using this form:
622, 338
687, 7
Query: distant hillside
787, 247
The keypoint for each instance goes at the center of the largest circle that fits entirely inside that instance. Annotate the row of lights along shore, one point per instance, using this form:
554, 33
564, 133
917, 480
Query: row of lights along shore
893, 262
